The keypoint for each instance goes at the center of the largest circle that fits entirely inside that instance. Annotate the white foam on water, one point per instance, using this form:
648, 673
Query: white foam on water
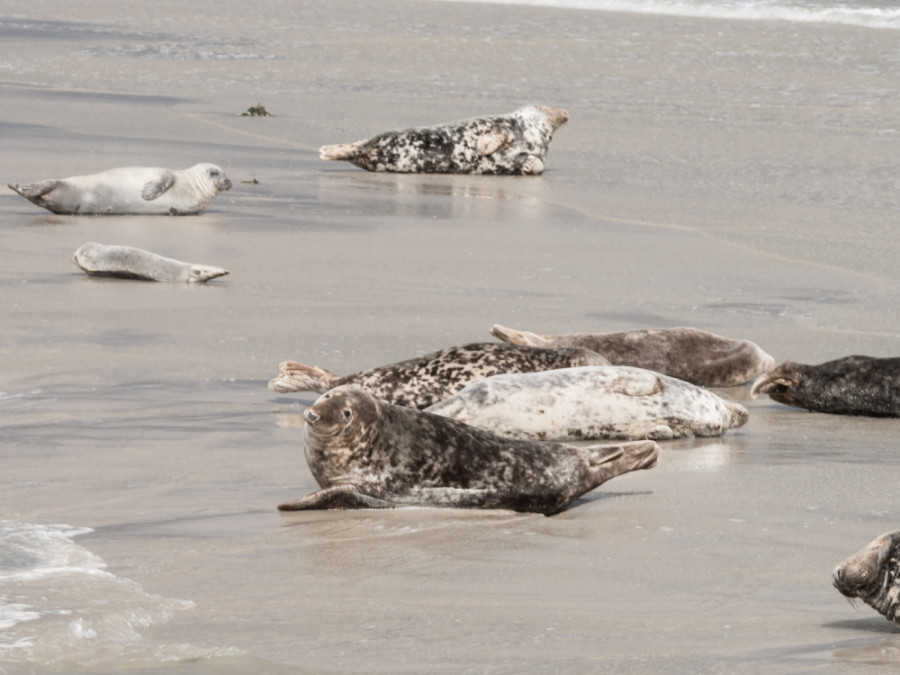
853, 14
59, 604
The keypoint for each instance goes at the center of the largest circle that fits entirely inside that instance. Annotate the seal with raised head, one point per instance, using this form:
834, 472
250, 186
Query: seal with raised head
132, 190
852, 385
873, 576
129, 262
501, 144
365, 453
425, 380
592, 403
690, 354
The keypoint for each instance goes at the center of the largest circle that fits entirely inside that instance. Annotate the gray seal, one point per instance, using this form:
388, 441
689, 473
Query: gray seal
852, 385
690, 354
873, 576
592, 403
425, 380
132, 190
502, 144
365, 453
128, 262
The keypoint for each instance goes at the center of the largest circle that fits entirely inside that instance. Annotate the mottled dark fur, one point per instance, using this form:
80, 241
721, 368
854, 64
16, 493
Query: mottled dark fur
367, 453
873, 575
423, 381
503, 144
853, 385
690, 354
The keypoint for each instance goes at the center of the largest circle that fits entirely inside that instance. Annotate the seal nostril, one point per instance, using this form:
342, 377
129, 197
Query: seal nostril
311, 416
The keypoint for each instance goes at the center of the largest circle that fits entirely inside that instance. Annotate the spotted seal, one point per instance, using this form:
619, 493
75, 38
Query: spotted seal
852, 385
690, 354
365, 453
502, 144
136, 190
423, 381
873, 575
128, 262
592, 403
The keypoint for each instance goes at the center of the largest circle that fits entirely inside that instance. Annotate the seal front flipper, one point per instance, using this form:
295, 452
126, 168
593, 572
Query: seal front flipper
492, 142
336, 497
154, 188
298, 377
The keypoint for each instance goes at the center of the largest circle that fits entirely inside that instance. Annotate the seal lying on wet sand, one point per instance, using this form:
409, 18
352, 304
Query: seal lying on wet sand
690, 354
423, 381
135, 190
853, 385
365, 453
873, 575
128, 262
592, 403
503, 144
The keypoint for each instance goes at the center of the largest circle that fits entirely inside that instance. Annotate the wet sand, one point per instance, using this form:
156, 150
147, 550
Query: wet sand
740, 177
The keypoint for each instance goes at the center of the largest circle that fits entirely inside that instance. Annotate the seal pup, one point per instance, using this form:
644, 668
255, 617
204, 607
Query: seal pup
502, 144
128, 262
852, 385
425, 380
592, 403
873, 575
365, 453
690, 354
132, 190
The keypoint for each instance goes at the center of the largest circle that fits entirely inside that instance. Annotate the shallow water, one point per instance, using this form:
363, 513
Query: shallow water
737, 176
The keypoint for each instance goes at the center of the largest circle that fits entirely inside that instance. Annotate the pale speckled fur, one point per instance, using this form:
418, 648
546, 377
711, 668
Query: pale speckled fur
592, 403
503, 144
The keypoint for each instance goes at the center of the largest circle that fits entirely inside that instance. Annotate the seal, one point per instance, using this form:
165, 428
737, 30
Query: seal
690, 354
852, 385
873, 575
425, 380
365, 453
502, 144
133, 190
592, 403
128, 262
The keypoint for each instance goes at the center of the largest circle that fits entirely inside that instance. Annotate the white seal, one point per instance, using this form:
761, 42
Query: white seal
128, 262
502, 144
137, 190
592, 403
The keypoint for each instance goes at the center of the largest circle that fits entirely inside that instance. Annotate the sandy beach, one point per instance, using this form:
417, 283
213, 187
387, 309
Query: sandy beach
736, 176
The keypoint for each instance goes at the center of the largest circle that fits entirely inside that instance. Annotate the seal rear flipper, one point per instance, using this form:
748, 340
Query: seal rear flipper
609, 461
343, 151
35, 190
518, 337
298, 377
154, 188
200, 273
336, 497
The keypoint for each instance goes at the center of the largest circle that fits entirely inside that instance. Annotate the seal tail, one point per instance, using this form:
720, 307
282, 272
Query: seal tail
344, 151
519, 337
609, 461
297, 377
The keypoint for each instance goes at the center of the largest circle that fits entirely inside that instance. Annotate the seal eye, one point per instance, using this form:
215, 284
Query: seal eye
348, 414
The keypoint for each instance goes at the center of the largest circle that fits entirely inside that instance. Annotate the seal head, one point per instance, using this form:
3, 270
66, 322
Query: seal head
873, 576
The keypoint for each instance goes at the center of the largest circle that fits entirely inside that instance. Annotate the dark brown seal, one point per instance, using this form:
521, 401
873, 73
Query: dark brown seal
423, 381
501, 144
365, 453
690, 354
853, 385
873, 575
